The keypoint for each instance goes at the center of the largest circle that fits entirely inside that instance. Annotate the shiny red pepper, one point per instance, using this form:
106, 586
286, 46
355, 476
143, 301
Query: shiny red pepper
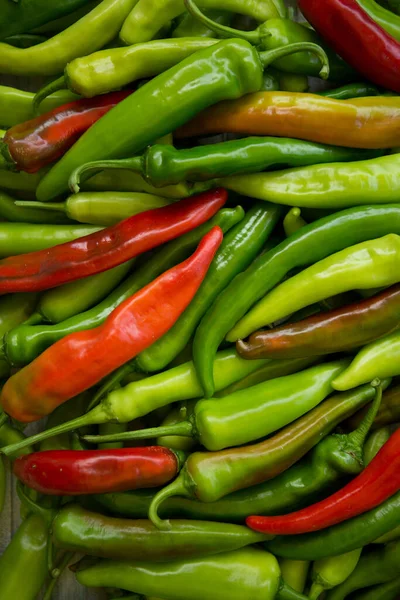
36, 143
75, 472
379, 481
80, 360
357, 38
108, 248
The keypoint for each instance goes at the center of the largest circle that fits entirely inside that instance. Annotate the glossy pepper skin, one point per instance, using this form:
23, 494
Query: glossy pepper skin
362, 42
229, 69
34, 144
90, 33
247, 572
108, 248
334, 331
39, 388
356, 123
310, 244
23, 344
125, 539
211, 476
248, 415
363, 266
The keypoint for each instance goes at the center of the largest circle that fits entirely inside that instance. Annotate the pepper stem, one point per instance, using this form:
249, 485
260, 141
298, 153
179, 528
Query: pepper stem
110, 384
34, 319
359, 435
56, 573
254, 37
46, 513
271, 56
53, 206
184, 429
130, 164
285, 592
47, 90
176, 488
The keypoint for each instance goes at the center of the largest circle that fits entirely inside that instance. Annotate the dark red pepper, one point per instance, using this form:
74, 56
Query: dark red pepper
357, 38
36, 143
379, 481
108, 248
75, 472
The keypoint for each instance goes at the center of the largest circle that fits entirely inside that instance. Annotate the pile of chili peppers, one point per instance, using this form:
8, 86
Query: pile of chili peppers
200, 299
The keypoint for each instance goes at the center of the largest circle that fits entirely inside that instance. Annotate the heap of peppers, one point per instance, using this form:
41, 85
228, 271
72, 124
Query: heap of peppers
200, 299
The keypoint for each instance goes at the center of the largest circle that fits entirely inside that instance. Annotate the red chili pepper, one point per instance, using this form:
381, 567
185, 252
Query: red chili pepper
357, 38
378, 482
108, 248
75, 472
80, 360
36, 143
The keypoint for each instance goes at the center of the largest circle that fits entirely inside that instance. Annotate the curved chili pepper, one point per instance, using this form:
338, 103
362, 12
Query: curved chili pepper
378, 482
357, 38
34, 144
108, 248
75, 472
352, 90
334, 331
55, 377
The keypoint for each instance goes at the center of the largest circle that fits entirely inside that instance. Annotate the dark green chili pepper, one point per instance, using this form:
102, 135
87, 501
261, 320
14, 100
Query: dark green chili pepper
270, 82
310, 244
374, 443
385, 591
352, 90
62, 23
345, 537
126, 181
24, 343
11, 210
164, 165
239, 247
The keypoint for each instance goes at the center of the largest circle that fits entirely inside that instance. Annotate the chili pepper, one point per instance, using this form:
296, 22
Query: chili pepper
330, 572
190, 27
293, 221
144, 21
34, 144
378, 566
25, 343
352, 90
291, 82
211, 476
294, 573
385, 591
25, 40
21, 182
11, 211
364, 265
109, 248
241, 245
248, 572
124, 539
380, 356
38, 388
178, 414
312, 243
90, 33
166, 102
374, 443
334, 331
164, 165
76, 472
359, 33
14, 309
24, 16
242, 417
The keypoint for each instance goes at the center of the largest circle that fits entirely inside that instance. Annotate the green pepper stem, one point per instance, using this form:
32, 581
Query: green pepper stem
184, 429
47, 514
316, 590
285, 592
130, 164
271, 56
359, 435
53, 206
34, 319
56, 573
110, 384
47, 90
254, 37
176, 488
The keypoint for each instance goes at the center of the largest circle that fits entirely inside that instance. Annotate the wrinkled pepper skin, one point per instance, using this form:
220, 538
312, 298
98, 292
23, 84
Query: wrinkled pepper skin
335, 331
356, 123
93, 534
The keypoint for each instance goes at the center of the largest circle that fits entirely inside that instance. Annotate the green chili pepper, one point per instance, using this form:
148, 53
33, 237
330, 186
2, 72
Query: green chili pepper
294, 573
227, 70
23, 565
270, 82
345, 537
164, 165
191, 27
244, 417
14, 310
366, 265
100, 208
246, 573
240, 246
311, 243
211, 476
385, 591
323, 186
374, 443
291, 82
293, 221
384, 18
381, 358
57, 25
10, 210
125, 539
178, 414
328, 573
24, 343
88, 34
126, 181
148, 16
25, 40
352, 90
25, 182
378, 566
